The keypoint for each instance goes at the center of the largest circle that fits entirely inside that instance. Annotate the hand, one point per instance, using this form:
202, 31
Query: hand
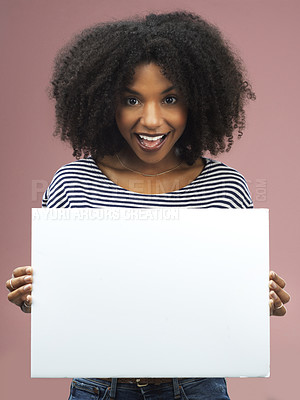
20, 286
278, 296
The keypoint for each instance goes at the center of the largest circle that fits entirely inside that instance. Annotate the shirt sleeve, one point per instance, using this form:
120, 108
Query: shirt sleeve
56, 195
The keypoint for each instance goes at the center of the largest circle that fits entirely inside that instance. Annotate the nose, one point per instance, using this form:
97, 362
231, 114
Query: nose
151, 117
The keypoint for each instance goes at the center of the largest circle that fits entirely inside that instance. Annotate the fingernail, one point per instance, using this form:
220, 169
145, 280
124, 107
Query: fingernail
27, 278
28, 298
26, 287
273, 285
274, 295
28, 270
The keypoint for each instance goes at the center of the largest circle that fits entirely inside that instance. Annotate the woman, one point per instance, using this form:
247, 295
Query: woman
142, 100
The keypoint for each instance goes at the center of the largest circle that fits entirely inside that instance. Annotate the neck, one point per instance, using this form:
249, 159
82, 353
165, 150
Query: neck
147, 174
131, 162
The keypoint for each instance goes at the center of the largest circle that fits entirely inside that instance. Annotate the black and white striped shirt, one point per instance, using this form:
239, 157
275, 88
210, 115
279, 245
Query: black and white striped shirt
82, 184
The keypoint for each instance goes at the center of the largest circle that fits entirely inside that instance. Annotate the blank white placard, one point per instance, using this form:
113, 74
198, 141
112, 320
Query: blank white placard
150, 293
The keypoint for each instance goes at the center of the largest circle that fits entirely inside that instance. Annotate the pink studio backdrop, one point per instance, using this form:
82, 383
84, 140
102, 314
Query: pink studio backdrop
266, 33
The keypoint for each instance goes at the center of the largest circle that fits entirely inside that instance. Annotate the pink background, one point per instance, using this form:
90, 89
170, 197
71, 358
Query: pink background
267, 35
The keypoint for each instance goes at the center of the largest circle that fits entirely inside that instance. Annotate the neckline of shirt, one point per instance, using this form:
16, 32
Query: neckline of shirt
207, 162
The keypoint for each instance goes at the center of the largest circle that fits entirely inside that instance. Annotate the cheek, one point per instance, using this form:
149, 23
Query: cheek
123, 119
180, 119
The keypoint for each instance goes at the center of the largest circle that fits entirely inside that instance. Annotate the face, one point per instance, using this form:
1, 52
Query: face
151, 117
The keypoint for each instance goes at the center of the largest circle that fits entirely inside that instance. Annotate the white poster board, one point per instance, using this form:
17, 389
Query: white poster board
150, 293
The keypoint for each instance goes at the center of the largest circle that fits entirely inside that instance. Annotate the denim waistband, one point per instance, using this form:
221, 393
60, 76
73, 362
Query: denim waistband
133, 387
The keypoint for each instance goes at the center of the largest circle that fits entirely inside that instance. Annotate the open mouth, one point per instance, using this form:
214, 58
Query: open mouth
151, 142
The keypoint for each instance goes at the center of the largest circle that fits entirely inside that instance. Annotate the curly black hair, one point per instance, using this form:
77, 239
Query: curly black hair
90, 74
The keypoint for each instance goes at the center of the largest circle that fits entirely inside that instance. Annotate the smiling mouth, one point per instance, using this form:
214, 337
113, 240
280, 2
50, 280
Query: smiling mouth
151, 142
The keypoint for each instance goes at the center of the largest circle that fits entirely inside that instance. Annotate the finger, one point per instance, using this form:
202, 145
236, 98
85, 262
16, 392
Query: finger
26, 305
20, 271
18, 296
15, 283
276, 278
9, 285
281, 293
28, 300
271, 305
277, 308
279, 312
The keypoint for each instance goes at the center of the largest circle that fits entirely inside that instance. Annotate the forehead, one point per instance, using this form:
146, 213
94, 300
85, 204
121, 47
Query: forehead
149, 76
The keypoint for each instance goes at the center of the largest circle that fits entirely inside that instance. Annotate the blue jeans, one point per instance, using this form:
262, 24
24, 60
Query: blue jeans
186, 389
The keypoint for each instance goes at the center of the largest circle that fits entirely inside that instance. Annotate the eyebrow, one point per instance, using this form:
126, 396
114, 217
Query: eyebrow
137, 93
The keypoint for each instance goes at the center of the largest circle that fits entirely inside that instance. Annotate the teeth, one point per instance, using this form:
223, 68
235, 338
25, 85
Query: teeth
151, 138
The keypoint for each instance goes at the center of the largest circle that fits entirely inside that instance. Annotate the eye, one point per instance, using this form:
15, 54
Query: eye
131, 101
170, 100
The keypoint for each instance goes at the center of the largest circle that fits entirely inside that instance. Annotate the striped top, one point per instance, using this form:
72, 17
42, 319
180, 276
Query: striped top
82, 184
